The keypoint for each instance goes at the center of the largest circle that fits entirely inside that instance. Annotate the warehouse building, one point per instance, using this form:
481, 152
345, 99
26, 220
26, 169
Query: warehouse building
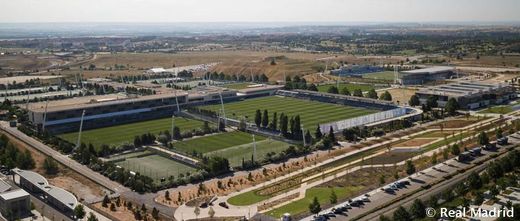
422, 76
470, 95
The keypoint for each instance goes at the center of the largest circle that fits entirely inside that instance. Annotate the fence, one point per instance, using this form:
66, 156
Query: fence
363, 120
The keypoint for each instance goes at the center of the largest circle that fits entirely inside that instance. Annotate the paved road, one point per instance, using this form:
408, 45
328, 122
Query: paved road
147, 199
378, 198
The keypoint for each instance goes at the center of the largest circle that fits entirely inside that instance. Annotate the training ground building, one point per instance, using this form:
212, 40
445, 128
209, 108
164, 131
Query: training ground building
422, 76
470, 95
62, 116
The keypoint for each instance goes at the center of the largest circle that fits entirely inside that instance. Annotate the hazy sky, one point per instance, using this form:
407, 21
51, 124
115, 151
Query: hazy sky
258, 10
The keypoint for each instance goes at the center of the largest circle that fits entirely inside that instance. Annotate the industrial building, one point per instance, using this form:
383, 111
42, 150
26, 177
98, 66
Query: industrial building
422, 76
470, 95
54, 196
14, 203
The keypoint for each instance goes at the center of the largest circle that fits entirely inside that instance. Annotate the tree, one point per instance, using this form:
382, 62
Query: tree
473, 181
414, 100
308, 137
483, 138
498, 133
333, 197
155, 213
318, 135
176, 135
167, 195
382, 179
284, 125
79, 211
274, 123
315, 207
112, 207
265, 119
418, 209
358, 93
92, 217
479, 199
331, 136
197, 212
452, 106
345, 91
386, 96
50, 166
410, 168
211, 212
431, 102
105, 202
434, 158
384, 218
312, 87
402, 215
333, 90
455, 150
205, 128
372, 94
258, 118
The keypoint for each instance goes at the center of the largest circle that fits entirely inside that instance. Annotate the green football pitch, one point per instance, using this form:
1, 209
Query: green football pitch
311, 113
155, 166
233, 146
125, 133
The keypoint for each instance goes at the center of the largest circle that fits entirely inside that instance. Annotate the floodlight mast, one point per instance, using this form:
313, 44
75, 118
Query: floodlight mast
45, 115
222, 107
80, 129
303, 135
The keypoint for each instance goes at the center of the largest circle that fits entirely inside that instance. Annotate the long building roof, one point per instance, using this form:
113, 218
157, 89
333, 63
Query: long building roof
459, 89
429, 70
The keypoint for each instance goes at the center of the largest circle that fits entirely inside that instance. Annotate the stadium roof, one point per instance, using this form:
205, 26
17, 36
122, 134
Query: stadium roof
429, 70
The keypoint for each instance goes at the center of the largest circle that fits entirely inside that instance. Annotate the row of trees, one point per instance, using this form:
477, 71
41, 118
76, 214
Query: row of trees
11, 156
241, 78
288, 127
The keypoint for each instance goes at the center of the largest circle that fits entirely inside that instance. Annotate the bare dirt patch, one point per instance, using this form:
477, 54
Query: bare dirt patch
389, 158
455, 123
399, 95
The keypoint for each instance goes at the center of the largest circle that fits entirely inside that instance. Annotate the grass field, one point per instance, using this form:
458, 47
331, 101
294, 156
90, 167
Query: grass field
322, 193
502, 109
349, 86
119, 134
311, 113
215, 142
237, 153
155, 166
385, 75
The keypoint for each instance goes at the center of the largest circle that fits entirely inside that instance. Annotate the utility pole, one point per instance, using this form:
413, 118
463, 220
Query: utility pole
303, 136
254, 148
45, 115
80, 129
222, 107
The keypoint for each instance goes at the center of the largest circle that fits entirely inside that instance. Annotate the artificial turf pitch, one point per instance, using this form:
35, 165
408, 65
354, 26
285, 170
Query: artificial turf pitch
125, 133
311, 113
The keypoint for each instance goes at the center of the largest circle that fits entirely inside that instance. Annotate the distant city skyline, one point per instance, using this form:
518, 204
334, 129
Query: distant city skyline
31, 11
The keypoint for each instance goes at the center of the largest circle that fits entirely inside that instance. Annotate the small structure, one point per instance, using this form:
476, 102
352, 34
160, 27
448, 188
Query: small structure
14, 204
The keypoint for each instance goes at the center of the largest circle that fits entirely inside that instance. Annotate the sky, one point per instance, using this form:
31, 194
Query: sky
259, 11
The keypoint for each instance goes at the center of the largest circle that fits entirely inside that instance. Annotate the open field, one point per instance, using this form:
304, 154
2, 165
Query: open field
119, 134
389, 157
415, 142
155, 166
501, 109
349, 86
399, 95
311, 113
385, 75
215, 142
457, 123
237, 153
435, 134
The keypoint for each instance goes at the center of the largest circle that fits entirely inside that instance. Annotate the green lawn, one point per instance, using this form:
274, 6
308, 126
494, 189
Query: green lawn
502, 109
119, 134
237, 153
349, 86
247, 198
323, 195
385, 75
237, 86
215, 142
311, 113
155, 166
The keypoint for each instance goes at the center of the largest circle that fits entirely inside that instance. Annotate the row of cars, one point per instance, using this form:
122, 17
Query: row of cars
343, 208
395, 186
477, 151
